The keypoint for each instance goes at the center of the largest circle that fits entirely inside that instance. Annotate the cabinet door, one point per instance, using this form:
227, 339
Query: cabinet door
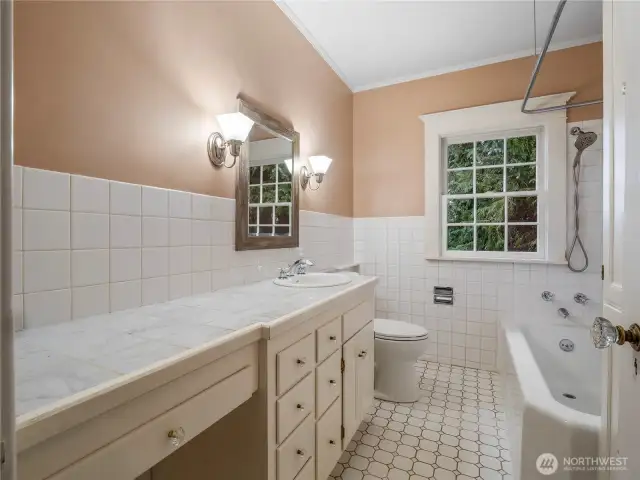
364, 375
357, 380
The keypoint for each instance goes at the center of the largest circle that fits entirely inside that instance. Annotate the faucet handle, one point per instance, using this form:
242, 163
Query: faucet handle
282, 273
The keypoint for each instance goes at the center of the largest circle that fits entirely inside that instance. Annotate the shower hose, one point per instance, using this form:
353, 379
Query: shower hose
577, 241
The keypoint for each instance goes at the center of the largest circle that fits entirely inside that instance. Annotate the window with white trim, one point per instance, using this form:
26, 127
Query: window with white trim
490, 193
495, 183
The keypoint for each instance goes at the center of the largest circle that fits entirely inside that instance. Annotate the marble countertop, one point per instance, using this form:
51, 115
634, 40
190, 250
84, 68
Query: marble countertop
56, 362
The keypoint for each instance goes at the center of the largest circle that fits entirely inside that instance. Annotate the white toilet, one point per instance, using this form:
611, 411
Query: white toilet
397, 348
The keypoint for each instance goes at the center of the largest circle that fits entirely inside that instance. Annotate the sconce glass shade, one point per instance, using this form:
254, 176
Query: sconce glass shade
234, 126
320, 164
289, 164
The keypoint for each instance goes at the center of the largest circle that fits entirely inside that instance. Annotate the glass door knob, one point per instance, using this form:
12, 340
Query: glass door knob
604, 334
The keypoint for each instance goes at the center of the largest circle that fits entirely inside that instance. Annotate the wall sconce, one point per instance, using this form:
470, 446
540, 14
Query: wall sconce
319, 166
235, 129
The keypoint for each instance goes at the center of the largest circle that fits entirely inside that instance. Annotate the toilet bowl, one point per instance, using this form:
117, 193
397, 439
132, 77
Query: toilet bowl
398, 345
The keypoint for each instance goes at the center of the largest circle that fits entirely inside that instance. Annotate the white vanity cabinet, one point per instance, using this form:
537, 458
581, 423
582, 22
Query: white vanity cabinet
320, 391
272, 401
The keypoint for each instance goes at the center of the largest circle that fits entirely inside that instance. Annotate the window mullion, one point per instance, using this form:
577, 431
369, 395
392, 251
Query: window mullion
504, 190
475, 199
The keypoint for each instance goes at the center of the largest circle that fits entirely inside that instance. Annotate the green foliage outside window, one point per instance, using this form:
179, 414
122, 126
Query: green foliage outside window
480, 168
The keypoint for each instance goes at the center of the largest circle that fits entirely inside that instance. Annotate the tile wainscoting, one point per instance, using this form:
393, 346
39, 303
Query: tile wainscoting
86, 246
486, 293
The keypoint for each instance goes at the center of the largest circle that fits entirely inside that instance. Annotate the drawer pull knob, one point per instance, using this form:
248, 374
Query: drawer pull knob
333, 383
301, 452
300, 407
176, 436
362, 354
333, 338
301, 361
332, 442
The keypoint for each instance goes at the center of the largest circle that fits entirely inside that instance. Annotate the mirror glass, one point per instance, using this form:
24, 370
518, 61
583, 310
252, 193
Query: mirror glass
270, 184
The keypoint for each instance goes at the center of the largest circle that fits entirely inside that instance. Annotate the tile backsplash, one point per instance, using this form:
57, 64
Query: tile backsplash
486, 293
86, 246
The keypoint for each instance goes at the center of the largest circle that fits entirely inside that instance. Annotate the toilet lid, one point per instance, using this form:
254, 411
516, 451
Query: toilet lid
397, 330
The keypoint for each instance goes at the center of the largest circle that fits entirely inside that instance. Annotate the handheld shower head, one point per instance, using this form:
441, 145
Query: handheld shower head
584, 140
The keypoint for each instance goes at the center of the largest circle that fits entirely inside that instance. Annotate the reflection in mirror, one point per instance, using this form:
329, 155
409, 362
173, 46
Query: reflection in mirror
270, 184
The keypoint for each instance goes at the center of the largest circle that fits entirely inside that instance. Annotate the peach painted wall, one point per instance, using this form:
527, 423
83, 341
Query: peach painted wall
129, 91
388, 136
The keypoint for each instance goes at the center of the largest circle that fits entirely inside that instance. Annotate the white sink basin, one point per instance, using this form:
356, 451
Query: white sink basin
313, 280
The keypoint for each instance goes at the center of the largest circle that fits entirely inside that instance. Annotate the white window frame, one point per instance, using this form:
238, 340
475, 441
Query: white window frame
494, 121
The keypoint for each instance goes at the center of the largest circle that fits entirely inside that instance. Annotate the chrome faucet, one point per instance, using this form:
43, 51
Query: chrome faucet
299, 267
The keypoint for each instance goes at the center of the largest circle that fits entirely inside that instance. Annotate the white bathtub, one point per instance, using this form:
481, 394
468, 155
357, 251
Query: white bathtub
535, 374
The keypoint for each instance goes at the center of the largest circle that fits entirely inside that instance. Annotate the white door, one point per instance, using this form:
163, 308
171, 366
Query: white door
7, 415
621, 389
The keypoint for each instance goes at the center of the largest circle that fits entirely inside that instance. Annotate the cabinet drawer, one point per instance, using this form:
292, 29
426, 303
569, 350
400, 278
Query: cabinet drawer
328, 338
294, 406
308, 471
296, 450
328, 382
328, 440
192, 417
355, 319
295, 362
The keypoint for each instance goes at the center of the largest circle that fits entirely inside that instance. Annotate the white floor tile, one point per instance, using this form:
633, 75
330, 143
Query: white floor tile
454, 432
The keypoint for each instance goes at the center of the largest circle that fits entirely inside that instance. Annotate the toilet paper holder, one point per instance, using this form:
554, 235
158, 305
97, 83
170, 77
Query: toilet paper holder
443, 295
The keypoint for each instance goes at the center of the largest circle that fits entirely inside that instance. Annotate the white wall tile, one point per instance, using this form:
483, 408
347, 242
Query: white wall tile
125, 295
125, 198
179, 232
47, 271
155, 290
99, 245
45, 230
17, 272
125, 231
179, 260
200, 259
46, 190
200, 282
179, 204
223, 209
89, 194
89, 230
201, 232
87, 301
126, 264
201, 206
47, 308
17, 229
155, 202
179, 286
17, 186
89, 267
155, 232
155, 262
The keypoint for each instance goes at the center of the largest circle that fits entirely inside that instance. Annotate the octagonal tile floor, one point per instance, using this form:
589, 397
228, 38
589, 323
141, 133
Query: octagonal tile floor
455, 431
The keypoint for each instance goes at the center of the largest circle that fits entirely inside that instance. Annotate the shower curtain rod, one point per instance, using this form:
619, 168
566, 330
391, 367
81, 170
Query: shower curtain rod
536, 70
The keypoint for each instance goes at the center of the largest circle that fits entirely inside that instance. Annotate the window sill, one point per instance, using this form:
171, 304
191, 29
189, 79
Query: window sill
536, 261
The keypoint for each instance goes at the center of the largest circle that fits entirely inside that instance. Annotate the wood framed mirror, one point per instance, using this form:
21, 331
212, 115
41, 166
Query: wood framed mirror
267, 184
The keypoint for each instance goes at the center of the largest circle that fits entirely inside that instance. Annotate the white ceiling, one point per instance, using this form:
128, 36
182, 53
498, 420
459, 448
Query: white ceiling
371, 43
